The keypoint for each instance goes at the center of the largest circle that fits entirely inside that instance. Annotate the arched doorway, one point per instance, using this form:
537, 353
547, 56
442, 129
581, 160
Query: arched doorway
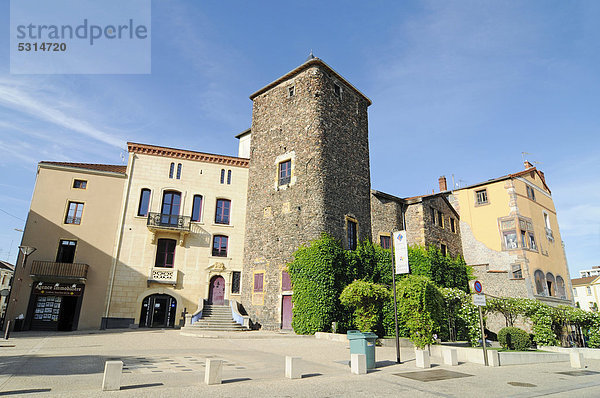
158, 311
216, 294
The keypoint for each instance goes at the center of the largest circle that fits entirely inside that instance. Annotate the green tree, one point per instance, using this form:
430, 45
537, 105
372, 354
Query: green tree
366, 298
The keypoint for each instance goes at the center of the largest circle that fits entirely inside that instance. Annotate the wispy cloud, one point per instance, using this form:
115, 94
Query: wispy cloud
39, 104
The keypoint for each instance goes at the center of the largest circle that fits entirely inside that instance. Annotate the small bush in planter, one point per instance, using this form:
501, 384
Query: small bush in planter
514, 339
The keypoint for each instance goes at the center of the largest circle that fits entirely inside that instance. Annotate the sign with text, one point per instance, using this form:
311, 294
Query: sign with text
401, 252
479, 300
58, 289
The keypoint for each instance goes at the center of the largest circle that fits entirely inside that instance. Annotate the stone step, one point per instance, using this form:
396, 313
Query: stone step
217, 326
216, 321
211, 329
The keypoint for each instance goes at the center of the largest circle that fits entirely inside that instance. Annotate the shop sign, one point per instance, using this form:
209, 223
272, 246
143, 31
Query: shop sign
58, 289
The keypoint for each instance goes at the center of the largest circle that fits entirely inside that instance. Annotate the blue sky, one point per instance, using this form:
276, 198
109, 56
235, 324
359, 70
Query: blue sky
458, 87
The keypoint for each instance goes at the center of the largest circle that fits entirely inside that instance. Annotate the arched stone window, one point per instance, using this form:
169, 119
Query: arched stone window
540, 283
551, 282
560, 287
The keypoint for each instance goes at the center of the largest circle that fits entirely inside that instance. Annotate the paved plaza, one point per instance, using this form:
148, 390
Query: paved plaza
164, 363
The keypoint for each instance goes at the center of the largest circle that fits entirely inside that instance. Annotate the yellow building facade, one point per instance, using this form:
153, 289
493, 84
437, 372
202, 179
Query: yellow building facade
511, 238
72, 223
181, 237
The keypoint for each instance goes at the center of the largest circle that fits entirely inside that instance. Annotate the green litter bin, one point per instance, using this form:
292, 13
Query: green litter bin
363, 343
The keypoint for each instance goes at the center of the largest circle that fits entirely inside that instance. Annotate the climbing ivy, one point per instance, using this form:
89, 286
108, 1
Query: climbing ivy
444, 271
318, 275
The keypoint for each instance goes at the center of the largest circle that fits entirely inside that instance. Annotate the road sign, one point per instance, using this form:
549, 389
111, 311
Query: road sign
479, 299
478, 287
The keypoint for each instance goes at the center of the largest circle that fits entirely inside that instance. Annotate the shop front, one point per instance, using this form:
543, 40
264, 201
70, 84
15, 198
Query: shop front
54, 306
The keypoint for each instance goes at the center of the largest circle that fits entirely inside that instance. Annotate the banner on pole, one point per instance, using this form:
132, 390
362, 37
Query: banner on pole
401, 252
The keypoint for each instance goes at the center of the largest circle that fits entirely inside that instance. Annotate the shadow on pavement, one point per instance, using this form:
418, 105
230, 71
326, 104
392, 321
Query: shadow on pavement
383, 364
29, 391
311, 375
50, 366
235, 380
131, 387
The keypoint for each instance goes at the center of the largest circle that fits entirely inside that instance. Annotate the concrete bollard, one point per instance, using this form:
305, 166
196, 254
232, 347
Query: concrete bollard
358, 364
112, 376
422, 358
493, 358
577, 360
214, 368
292, 368
450, 356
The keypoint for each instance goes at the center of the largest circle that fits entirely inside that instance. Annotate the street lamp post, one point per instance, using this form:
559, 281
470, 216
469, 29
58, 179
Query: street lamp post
26, 251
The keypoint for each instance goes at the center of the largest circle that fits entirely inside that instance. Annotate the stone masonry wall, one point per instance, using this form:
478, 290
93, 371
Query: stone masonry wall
330, 179
436, 234
415, 224
386, 216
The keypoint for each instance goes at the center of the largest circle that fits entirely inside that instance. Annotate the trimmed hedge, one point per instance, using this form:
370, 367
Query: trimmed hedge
512, 338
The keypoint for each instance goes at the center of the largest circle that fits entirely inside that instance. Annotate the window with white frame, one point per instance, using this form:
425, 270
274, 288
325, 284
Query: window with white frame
481, 197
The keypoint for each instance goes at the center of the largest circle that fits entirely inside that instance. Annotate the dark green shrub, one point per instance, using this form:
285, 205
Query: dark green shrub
512, 338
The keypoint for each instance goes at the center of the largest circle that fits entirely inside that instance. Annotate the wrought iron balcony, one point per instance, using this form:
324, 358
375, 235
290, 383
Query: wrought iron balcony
43, 270
160, 221
163, 275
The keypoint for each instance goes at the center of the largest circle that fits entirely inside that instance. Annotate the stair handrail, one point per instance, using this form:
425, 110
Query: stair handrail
190, 319
243, 320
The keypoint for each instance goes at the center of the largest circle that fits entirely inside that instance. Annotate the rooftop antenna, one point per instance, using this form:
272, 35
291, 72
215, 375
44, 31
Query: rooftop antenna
122, 157
523, 157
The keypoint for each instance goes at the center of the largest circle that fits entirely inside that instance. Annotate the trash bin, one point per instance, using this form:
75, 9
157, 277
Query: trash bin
363, 343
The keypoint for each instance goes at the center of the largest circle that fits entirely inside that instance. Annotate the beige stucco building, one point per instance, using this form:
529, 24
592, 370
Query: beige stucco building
510, 236
72, 223
181, 236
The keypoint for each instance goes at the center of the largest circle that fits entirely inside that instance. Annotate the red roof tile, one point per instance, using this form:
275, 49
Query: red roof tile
91, 166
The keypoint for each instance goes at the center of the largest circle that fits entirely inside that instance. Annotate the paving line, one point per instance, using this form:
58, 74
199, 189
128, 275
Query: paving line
4, 379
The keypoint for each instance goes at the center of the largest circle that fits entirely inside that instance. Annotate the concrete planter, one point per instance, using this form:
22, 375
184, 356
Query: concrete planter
422, 357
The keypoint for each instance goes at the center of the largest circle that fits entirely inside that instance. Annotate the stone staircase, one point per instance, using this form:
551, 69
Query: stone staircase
217, 317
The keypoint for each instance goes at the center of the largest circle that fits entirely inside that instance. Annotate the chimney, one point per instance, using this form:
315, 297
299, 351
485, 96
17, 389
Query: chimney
442, 182
527, 165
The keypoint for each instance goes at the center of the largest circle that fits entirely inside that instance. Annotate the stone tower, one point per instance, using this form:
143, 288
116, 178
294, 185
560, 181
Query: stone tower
309, 173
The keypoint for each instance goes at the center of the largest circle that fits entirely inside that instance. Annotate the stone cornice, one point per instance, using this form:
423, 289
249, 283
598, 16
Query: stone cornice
187, 155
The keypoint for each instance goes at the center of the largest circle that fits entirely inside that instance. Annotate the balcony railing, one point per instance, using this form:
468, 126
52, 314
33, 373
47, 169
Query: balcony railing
49, 269
163, 275
168, 221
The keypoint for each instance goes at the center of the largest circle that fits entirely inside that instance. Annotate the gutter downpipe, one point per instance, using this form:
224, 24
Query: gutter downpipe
117, 252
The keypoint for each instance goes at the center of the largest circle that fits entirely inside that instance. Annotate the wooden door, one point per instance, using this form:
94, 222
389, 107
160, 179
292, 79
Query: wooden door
217, 290
286, 312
